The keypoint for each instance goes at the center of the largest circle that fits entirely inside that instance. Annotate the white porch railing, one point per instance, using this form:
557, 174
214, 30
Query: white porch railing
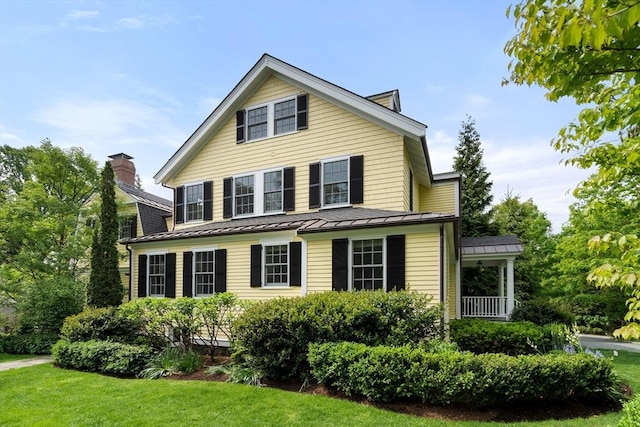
484, 307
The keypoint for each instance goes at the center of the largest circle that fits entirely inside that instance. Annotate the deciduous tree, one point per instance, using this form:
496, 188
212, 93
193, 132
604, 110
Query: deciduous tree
589, 51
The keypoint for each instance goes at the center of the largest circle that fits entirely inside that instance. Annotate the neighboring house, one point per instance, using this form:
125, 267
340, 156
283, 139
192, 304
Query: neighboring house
140, 213
294, 185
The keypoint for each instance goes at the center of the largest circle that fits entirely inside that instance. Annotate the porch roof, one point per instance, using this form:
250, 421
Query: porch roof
492, 250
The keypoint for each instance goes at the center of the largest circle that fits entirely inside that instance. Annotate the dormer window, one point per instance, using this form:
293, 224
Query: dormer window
277, 117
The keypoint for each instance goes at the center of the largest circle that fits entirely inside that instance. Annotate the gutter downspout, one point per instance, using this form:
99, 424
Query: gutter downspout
442, 267
130, 268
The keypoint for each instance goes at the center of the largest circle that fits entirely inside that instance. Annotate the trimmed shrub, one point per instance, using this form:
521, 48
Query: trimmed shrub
48, 303
391, 373
27, 343
512, 338
100, 324
541, 311
102, 356
273, 336
631, 413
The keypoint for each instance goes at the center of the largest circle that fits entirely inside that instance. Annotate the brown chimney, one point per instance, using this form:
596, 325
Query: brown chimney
123, 168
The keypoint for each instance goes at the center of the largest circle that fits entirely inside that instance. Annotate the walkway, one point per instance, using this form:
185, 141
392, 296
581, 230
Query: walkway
608, 343
24, 363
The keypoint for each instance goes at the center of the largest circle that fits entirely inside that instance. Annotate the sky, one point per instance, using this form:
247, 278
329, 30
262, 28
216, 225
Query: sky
140, 76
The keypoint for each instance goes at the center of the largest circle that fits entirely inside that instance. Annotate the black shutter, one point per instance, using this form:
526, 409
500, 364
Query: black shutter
208, 200
295, 263
134, 226
256, 266
302, 108
395, 263
221, 270
227, 198
187, 274
289, 202
339, 264
142, 276
314, 185
179, 205
170, 276
240, 129
356, 172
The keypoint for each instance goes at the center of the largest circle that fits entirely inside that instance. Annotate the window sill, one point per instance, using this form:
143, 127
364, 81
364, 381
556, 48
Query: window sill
343, 205
258, 215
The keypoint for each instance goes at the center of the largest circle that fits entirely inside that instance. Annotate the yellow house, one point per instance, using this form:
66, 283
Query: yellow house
294, 185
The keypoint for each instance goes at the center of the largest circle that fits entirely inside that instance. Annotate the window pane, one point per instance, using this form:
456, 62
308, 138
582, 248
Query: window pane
276, 267
194, 202
204, 274
273, 191
244, 191
285, 116
336, 182
368, 270
156, 275
257, 122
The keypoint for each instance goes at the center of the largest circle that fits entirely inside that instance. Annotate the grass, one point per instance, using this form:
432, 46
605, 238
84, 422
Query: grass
4, 357
48, 396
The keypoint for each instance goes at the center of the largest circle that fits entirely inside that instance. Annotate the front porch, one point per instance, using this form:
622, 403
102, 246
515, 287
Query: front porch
491, 252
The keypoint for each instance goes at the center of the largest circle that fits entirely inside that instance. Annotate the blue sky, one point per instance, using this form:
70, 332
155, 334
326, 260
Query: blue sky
139, 77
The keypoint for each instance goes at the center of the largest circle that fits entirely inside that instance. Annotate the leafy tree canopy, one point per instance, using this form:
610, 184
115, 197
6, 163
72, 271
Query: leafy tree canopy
588, 50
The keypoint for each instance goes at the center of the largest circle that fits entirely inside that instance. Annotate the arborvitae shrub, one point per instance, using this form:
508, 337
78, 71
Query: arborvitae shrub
273, 336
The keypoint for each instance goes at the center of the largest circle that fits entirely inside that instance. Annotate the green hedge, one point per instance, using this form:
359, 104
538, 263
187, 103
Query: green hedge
512, 338
27, 343
102, 356
542, 311
409, 372
100, 324
631, 413
273, 336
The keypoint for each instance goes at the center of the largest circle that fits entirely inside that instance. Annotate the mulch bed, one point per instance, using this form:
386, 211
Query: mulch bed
534, 411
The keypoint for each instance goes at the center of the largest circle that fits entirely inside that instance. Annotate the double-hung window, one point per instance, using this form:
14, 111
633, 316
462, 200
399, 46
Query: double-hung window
203, 273
276, 117
127, 227
263, 192
276, 265
194, 204
335, 182
367, 264
156, 271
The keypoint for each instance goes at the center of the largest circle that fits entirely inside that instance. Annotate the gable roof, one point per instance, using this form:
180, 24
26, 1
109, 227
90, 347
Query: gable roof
141, 196
267, 66
338, 219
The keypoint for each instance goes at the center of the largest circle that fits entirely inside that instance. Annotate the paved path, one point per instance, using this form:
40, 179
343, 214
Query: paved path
608, 343
14, 364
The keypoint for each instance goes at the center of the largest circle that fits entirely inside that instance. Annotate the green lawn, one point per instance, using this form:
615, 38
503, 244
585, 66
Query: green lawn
48, 396
4, 357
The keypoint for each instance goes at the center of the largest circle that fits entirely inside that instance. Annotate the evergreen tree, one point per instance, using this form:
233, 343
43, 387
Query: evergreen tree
476, 187
105, 287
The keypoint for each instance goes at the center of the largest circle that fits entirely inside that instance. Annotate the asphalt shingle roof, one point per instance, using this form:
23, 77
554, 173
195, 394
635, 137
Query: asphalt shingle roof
149, 199
491, 245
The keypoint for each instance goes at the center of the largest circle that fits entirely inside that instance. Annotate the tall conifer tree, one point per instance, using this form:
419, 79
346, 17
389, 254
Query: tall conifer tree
476, 186
105, 287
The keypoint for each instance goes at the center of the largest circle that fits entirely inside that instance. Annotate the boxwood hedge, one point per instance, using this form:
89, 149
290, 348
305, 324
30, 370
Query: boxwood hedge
102, 356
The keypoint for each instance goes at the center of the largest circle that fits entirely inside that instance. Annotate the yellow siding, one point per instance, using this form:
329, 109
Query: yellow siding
238, 266
451, 293
384, 101
416, 186
438, 198
332, 132
319, 266
423, 263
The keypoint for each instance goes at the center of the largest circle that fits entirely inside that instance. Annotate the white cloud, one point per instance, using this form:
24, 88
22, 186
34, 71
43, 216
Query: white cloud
129, 23
475, 100
83, 14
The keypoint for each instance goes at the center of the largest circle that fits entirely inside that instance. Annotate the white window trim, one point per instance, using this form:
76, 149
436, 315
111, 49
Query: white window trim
384, 258
270, 118
330, 160
193, 269
258, 193
184, 207
149, 255
274, 242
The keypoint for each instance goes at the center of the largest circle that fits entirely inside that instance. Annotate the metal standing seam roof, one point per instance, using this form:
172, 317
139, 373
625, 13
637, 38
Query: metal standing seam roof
148, 199
313, 222
490, 245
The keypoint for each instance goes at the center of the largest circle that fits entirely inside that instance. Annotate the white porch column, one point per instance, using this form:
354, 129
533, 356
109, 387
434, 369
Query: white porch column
501, 288
510, 287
